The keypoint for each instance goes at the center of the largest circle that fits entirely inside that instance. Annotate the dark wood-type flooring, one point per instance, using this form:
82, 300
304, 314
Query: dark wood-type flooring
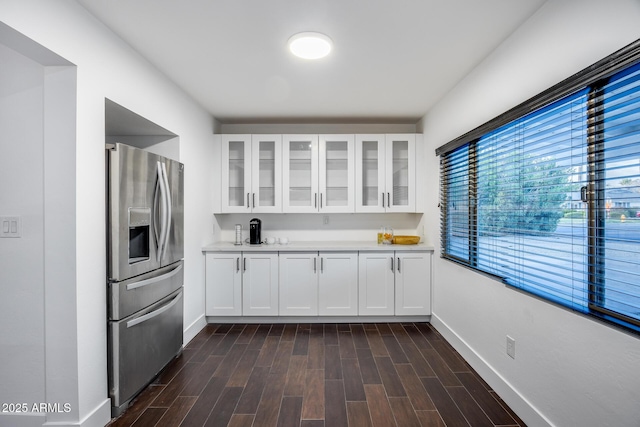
318, 375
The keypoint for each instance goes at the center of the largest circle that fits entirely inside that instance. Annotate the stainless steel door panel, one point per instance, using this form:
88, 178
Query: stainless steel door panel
140, 346
175, 177
132, 295
132, 182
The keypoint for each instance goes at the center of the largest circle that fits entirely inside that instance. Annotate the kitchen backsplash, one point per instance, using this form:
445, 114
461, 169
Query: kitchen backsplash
312, 227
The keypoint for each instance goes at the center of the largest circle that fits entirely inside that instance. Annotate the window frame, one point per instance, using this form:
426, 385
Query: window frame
593, 78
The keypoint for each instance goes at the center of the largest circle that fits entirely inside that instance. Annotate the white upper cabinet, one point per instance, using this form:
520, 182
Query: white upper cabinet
401, 172
251, 173
385, 173
304, 173
336, 173
370, 173
300, 173
236, 173
318, 173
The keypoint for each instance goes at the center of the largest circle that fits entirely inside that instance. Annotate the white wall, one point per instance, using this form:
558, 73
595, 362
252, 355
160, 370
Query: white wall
22, 193
109, 68
569, 370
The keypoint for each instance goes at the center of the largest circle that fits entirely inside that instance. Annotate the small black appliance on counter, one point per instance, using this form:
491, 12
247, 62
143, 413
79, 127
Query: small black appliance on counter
255, 226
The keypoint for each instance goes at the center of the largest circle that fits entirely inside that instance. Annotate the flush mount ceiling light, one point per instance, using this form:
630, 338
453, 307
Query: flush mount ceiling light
310, 45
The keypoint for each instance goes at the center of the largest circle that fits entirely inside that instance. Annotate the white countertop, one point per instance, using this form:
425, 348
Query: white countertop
339, 246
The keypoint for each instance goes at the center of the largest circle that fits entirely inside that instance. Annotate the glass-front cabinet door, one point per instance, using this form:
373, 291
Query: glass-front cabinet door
300, 173
236, 173
370, 173
400, 172
385, 173
251, 173
266, 168
336, 173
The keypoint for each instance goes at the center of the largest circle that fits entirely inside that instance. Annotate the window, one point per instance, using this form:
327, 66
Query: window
547, 196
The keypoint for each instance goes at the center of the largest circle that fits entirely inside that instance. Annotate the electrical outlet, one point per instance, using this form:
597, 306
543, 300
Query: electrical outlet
325, 220
511, 347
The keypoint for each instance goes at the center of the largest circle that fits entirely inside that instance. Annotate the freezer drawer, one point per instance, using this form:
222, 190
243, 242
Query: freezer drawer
130, 296
140, 346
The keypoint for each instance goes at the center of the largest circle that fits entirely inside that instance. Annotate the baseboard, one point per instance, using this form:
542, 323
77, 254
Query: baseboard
99, 417
316, 319
521, 406
22, 419
193, 329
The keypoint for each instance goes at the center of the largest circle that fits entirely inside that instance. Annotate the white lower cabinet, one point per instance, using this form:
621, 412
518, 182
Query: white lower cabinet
319, 283
299, 284
260, 284
223, 275
338, 284
413, 283
375, 283
394, 283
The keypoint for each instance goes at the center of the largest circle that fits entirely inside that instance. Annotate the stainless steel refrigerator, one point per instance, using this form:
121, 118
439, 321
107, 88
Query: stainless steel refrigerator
145, 249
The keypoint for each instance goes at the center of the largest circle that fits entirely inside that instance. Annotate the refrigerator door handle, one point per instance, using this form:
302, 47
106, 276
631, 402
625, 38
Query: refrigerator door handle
153, 280
162, 212
156, 219
168, 211
154, 313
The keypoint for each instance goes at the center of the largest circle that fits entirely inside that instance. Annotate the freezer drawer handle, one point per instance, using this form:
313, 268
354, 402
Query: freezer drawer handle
154, 313
153, 280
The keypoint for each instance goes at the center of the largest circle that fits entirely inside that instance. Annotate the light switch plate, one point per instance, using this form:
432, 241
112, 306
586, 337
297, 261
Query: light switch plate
10, 226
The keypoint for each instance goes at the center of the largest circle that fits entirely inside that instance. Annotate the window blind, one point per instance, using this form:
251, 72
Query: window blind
615, 176
550, 201
455, 204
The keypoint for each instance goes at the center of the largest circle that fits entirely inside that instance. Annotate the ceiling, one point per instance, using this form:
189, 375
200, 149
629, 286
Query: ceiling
392, 60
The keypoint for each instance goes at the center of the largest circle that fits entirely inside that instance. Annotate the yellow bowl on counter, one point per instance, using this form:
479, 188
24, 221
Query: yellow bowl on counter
406, 240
